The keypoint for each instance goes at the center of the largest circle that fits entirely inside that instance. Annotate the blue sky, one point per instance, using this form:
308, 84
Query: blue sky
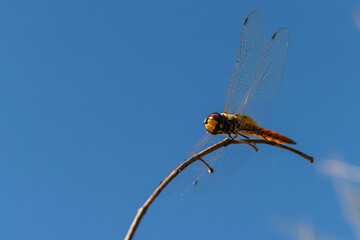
101, 99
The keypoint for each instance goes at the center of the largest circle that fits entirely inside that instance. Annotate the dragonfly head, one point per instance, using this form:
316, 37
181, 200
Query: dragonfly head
215, 123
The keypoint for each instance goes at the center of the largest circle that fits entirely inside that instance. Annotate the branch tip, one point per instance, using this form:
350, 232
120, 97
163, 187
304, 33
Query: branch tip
210, 170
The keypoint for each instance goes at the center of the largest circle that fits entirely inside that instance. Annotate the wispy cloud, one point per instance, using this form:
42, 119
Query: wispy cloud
300, 230
340, 170
356, 16
346, 179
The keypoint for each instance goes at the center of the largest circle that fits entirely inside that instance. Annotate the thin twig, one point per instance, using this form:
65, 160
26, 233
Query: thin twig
210, 170
198, 157
251, 145
272, 143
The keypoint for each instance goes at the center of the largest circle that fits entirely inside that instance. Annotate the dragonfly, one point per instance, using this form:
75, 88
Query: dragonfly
251, 93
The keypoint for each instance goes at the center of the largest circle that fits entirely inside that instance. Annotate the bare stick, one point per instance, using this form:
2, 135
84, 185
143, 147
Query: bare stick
198, 157
272, 143
252, 145
210, 170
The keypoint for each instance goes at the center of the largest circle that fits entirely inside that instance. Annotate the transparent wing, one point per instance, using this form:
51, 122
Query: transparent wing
247, 61
254, 96
261, 95
191, 173
224, 161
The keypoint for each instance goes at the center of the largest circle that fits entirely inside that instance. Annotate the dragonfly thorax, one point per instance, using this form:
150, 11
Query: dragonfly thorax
223, 123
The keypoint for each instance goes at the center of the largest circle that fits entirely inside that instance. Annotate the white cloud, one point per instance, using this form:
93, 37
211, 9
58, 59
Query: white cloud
356, 16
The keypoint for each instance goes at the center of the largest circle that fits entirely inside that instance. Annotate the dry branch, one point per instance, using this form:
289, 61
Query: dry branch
198, 157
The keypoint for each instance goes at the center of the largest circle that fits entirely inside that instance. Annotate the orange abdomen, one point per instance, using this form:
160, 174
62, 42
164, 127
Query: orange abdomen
266, 133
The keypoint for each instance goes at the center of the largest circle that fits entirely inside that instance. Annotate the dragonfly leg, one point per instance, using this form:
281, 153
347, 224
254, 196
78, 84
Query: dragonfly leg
267, 139
232, 137
246, 137
264, 137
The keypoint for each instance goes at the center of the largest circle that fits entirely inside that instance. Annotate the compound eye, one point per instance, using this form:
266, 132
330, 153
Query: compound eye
211, 115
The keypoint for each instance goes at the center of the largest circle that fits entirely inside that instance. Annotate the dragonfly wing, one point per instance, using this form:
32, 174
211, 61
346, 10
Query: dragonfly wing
224, 162
257, 103
191, 173
247, 61
254, 96
262, 93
